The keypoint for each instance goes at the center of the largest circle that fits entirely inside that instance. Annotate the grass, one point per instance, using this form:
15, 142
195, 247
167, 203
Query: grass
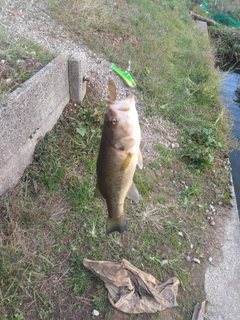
58, 222
20, 60
51, 221
171, 64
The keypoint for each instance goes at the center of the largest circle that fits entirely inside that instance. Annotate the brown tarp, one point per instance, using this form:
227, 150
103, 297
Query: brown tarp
131, 290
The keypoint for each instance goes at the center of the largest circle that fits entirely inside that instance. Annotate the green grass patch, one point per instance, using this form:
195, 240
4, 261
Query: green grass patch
20, 59
170, 60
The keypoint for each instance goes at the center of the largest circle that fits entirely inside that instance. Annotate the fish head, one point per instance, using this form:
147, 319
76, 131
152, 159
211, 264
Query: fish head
121, 118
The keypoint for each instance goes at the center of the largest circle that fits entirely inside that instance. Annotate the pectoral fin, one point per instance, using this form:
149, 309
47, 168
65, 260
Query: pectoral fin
133, 193
126, 162
97, 192
140, 160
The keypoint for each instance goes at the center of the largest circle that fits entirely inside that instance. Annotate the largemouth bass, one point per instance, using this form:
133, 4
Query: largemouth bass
118, 157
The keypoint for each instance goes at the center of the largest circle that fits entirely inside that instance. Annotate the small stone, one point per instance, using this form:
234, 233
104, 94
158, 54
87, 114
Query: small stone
21, 63
196, 260
180, 234
210, 259
165, 261
95, 313
188, 258
211, 207
212, 223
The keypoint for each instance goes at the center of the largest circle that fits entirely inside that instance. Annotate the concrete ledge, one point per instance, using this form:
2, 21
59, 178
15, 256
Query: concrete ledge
77, 85
222, 284
203, 26
32, 110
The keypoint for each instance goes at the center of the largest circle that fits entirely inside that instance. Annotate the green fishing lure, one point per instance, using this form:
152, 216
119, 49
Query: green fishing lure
125, 76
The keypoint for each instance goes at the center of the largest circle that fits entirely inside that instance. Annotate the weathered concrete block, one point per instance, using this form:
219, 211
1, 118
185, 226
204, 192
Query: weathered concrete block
203, 26
14, 168
27, 115
77, 65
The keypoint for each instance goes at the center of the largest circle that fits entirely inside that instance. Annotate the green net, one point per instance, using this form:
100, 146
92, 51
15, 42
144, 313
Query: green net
226, 20
222, 18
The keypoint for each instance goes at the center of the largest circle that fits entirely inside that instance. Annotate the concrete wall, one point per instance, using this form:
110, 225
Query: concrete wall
32, 110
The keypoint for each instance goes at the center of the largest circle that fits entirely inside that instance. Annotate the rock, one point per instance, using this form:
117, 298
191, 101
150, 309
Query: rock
196, 260
188, 258
210, 259
180, 234
21, 63
8, 81
165, 261
211, 207
95, 313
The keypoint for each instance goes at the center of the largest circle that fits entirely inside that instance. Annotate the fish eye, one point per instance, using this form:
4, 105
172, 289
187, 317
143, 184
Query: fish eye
113, 121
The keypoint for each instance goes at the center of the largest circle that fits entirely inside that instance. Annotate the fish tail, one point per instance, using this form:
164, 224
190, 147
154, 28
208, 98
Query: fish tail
119, 225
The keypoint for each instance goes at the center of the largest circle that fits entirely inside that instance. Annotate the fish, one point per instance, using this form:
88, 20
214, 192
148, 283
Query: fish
125, 76
119, 154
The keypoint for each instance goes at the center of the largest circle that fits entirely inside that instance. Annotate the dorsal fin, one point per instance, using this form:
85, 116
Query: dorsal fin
112, 89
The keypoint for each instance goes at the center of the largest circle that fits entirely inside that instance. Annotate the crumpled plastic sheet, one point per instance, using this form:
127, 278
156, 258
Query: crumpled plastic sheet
199, 311
131, 290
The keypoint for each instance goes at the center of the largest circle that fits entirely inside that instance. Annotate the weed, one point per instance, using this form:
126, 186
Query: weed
166, 157
80, 278
199, 147
100, 301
